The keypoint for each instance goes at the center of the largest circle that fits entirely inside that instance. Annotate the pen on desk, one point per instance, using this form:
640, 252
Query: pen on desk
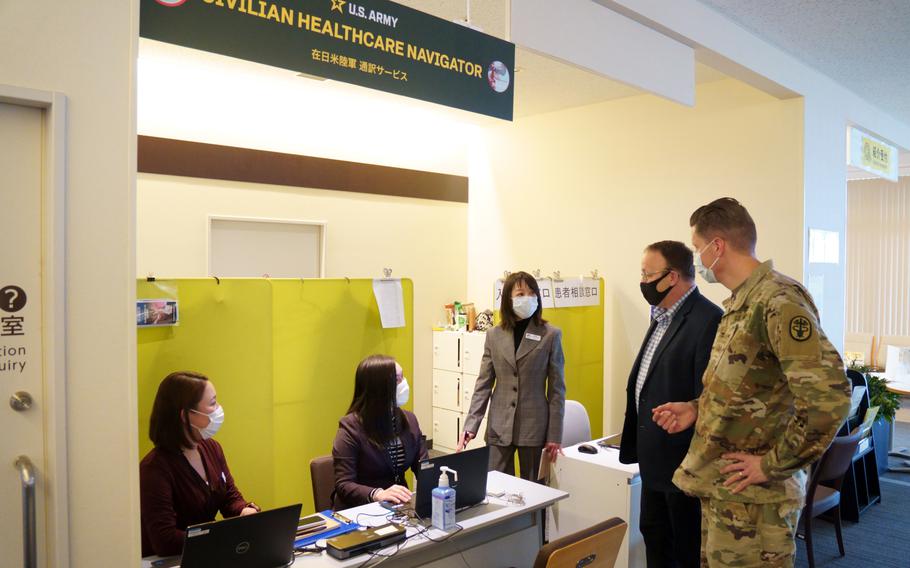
342, 518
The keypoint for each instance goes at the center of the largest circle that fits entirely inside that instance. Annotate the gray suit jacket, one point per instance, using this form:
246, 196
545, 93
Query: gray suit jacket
529, 398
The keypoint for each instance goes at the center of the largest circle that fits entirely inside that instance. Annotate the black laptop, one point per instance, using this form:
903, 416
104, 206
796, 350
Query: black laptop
471, 489
263, 540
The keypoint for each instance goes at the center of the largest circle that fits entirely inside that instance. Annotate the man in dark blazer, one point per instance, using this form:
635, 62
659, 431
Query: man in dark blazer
669, 367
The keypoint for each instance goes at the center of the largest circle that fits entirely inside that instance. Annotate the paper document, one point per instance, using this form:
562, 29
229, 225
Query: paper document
856, 398
390, 300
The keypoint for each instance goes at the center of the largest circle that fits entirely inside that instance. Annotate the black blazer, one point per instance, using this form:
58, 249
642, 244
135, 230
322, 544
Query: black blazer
675, 375
361, 467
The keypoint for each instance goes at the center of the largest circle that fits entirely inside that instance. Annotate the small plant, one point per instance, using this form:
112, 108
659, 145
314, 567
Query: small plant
887, 402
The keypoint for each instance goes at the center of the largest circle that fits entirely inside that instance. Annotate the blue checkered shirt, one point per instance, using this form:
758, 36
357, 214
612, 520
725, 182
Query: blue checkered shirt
663, 317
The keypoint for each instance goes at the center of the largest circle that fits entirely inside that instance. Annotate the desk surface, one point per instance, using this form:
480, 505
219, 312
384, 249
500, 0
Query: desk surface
494, 511
900, 387
606, 457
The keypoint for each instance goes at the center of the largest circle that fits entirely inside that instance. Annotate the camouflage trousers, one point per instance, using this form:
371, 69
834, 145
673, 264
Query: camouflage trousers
746, 535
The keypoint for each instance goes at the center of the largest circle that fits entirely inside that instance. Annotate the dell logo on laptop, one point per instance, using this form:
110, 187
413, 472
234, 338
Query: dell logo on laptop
242, 548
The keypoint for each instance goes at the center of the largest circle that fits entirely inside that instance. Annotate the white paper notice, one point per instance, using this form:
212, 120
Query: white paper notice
390, 300
576, 292
824, 246
546, 292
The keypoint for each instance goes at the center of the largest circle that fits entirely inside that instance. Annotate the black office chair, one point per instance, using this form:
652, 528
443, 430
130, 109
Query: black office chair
826, 498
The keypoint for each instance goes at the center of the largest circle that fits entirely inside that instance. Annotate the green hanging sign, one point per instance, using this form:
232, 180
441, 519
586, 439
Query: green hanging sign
372, 43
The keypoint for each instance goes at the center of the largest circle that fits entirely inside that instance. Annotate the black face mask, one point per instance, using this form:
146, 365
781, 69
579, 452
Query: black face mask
649, 290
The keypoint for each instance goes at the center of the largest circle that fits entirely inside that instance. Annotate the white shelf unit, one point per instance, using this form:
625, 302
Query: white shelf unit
456, 364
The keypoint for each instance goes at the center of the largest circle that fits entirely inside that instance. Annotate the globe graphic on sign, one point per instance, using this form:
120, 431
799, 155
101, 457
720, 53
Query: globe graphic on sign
498, 76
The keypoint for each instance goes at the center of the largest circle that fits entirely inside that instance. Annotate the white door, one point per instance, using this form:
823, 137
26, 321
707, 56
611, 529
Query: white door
447, 350
21, 368
472, 345
446, 427
447, 390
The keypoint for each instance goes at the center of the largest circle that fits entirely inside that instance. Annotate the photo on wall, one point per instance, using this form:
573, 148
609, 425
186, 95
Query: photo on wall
152, 313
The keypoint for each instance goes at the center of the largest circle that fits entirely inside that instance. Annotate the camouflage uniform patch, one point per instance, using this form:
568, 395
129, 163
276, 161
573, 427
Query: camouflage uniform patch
747, 535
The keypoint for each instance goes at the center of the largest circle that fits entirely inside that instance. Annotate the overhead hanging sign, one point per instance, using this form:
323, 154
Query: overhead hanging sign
872, 154
373, 43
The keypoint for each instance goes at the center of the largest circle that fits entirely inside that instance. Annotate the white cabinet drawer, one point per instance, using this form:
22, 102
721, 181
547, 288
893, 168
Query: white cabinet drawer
447, 351
447, 390
446, 427
472, 352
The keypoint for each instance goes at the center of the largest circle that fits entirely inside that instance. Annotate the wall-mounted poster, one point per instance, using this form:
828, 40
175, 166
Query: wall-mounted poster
151, 313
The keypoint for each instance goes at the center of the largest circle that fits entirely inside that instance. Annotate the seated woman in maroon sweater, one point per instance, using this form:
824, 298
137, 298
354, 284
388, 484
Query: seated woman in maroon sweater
376, 441
185, 479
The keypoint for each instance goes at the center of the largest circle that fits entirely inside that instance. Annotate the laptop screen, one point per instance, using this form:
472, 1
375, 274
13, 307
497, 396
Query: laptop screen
471, 488
262, 540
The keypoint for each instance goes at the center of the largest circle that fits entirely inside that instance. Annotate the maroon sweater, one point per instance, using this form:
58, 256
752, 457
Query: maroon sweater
173, 496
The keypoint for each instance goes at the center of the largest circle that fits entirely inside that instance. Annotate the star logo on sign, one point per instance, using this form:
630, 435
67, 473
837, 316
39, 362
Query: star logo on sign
339, 5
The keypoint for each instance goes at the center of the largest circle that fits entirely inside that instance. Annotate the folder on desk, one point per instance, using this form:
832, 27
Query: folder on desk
337, 528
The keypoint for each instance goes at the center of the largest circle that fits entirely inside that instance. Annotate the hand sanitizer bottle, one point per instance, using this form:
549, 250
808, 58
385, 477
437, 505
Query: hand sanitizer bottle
444, 501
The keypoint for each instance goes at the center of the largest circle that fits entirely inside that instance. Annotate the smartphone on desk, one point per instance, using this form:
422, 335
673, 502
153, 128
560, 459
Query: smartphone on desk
394, 507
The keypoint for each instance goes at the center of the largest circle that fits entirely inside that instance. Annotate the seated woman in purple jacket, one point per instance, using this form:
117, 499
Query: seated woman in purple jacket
377, 441
185, 479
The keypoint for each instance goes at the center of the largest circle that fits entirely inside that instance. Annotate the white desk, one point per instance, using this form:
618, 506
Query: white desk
495, 534
599, 488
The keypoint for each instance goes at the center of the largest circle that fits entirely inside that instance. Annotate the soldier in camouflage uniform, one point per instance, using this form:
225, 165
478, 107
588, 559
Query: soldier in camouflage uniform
775, 394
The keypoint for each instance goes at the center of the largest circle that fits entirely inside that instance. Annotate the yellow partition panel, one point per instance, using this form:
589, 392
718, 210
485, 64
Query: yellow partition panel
225, 332
322, 330
282, 355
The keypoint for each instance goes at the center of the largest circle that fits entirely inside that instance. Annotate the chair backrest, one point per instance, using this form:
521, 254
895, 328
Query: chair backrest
837, 459
596, 546
322, 473
576, 426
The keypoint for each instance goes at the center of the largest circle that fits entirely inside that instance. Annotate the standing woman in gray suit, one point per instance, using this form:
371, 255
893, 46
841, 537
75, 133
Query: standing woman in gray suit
523, 360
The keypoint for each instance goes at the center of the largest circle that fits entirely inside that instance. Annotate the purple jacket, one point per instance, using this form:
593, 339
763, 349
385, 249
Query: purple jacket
361, 467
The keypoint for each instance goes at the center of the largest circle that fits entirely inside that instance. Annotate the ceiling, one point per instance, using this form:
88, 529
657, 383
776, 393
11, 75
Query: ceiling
541, 82
862, 44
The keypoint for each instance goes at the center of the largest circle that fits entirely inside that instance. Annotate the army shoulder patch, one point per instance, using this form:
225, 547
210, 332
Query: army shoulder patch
800, 328
797, 333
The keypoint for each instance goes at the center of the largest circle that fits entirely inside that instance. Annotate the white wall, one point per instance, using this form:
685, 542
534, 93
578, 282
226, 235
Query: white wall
86, 51
237, 103
829, 108
591, 187
420, 239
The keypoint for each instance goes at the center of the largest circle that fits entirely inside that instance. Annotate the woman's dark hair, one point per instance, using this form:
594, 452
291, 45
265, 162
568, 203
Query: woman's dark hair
506, 313
180, 391
374, 402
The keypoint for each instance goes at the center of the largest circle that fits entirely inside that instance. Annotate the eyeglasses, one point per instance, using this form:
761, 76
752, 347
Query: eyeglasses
647, 275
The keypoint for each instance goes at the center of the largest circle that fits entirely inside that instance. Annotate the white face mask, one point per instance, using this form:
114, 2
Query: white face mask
706, 272
216, 419
524, 306
402, 392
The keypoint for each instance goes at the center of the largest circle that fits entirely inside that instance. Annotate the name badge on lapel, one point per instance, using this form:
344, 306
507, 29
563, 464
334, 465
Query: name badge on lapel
532, 337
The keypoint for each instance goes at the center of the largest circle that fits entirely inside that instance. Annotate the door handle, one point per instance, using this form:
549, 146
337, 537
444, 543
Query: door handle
29, 537
20, 401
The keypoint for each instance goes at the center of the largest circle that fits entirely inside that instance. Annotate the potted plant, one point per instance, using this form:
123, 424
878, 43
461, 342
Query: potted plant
888, 403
